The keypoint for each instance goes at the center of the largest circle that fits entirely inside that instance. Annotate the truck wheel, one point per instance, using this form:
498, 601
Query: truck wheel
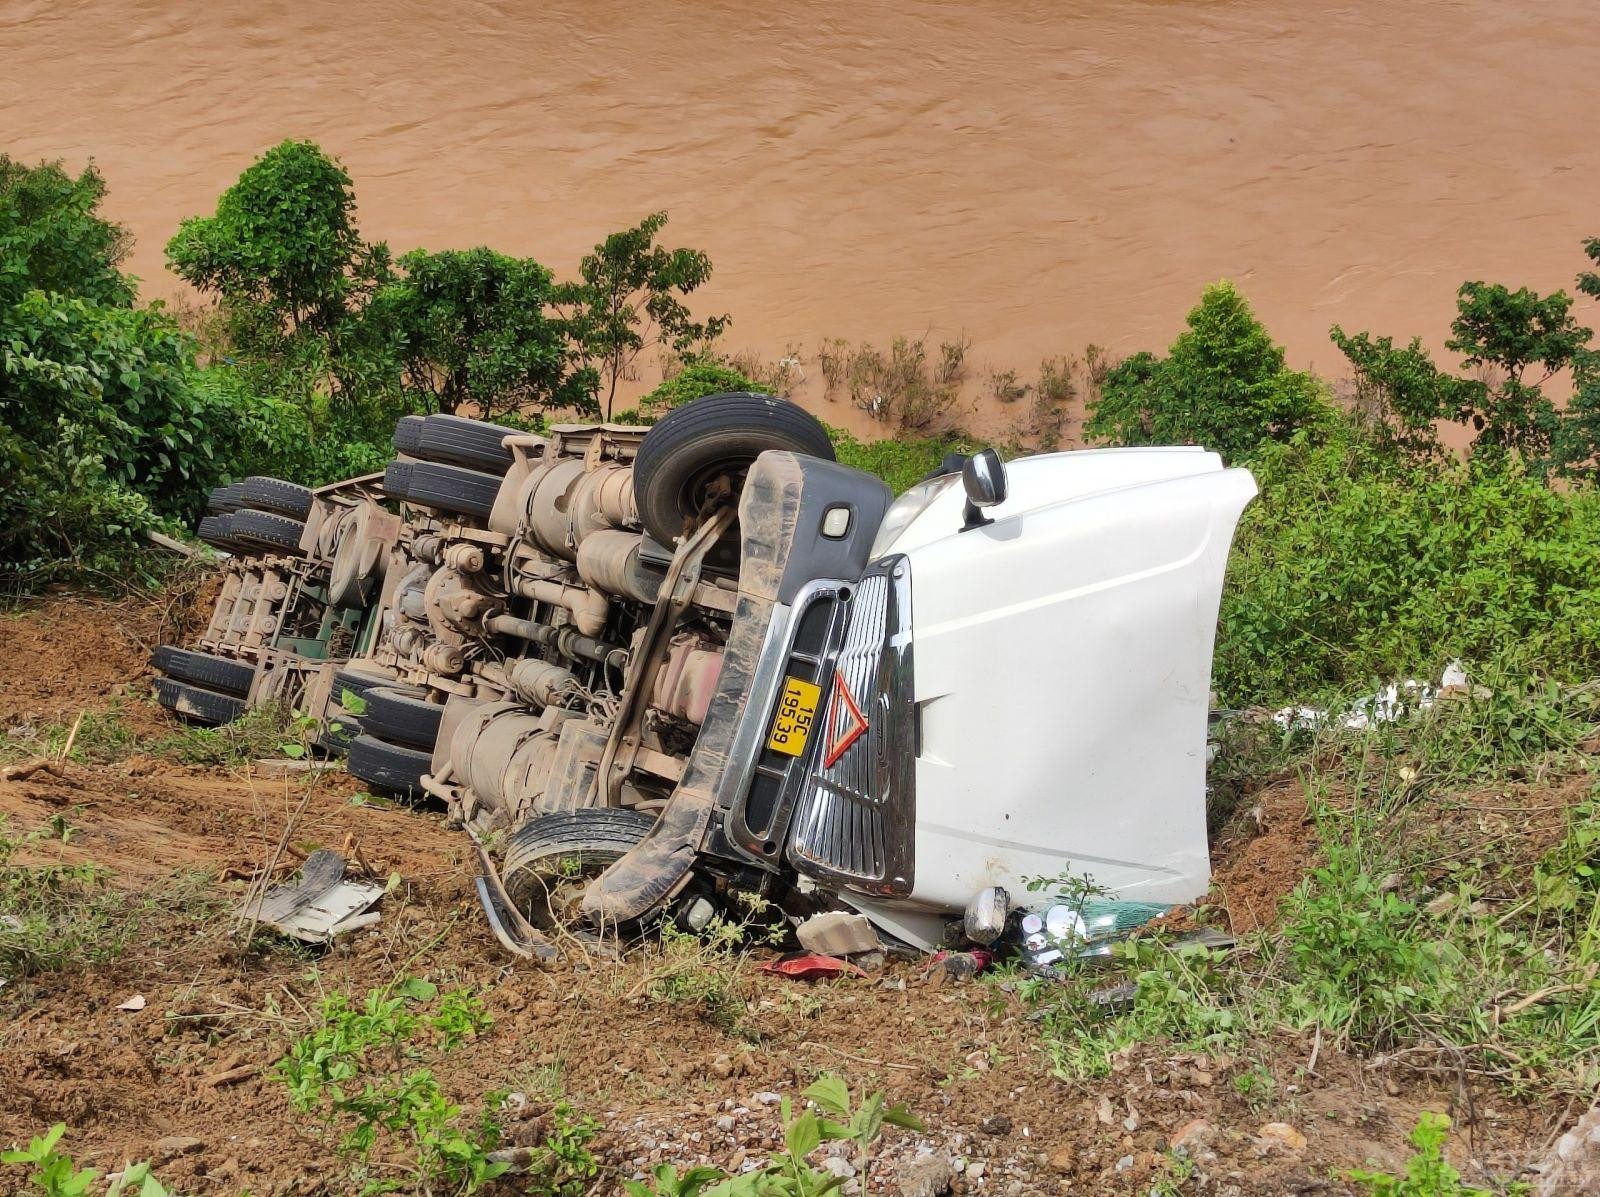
402, 718
196, 704
550, 858
454, 440
215, 531
709, 439
447, 488
203, 669
337, 734
275, 495
408, 435
388, 766
222, 500
263, 528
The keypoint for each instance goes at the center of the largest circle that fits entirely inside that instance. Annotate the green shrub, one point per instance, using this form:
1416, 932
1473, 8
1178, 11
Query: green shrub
1428, 1173
53, 238
475, 327
282, 251
629, 296
1511, 343
699, 377
901, 463
102, 429
1350, 567
1223, 385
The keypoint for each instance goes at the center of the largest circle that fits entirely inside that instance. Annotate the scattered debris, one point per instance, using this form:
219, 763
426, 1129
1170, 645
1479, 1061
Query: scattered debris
1386, 705
958, 966
135, 1003
808, 966
986, 915
273, 768
321, 905
1573, 1164
838, 933
1281, 1134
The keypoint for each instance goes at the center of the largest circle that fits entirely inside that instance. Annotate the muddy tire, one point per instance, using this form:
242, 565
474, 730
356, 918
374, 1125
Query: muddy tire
386, 766
338, 734
197, 704
275, 495
402, 718
708, 439
408, 435
203, 669
275, 532
550, 857
361, 684
216, 531
223, 500
453, 440
447, 488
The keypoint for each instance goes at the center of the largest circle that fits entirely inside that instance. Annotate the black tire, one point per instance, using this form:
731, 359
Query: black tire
397, 479
338, 735
214, 531
197, 704
408, 434
388, 766
203, 669
446, 488
359, 682
401, 718
454, 440
277, 532
277, 496
222, 500
550, 852
709, 438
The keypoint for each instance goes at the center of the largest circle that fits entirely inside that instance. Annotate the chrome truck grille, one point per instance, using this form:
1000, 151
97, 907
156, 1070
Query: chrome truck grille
855, 816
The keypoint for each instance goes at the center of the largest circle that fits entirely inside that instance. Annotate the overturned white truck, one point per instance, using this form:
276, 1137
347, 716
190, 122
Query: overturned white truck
683, 665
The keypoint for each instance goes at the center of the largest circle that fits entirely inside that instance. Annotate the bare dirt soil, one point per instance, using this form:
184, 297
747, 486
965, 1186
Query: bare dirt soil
186, 1079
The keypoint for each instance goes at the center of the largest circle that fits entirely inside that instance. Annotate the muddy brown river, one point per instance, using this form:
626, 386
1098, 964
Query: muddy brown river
1040, 175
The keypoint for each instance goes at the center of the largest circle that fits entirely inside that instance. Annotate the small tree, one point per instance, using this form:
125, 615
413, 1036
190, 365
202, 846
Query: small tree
1223, 385
475, 326
53, 238
282, 252
627, 299
1513, 343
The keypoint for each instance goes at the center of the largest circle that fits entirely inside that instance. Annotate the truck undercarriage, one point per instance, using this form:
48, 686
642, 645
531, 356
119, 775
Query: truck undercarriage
653, 671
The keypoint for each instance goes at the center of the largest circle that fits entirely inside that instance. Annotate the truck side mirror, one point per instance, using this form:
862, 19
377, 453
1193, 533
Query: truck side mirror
984, 478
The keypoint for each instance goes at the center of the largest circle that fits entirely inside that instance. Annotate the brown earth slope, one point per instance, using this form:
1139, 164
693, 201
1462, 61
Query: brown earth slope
185, 1078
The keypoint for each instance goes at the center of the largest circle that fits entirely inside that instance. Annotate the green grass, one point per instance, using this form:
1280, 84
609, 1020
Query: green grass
1420, 935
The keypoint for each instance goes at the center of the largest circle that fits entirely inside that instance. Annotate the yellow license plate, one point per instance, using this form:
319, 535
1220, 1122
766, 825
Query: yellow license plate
796, 711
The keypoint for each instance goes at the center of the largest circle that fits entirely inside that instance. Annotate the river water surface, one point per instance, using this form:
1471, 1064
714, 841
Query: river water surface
1040, 175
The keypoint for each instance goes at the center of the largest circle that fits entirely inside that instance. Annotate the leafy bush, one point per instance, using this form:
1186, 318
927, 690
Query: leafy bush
1428, 1173
102, 429
901, 463
627, 298
699, 377
1223, 385
282, 251
1504, 337
1350, 567
55, 1175
346, 1069
52, 237
476, 327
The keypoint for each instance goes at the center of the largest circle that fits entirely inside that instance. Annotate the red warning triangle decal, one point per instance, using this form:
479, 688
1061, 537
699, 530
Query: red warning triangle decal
846, 723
